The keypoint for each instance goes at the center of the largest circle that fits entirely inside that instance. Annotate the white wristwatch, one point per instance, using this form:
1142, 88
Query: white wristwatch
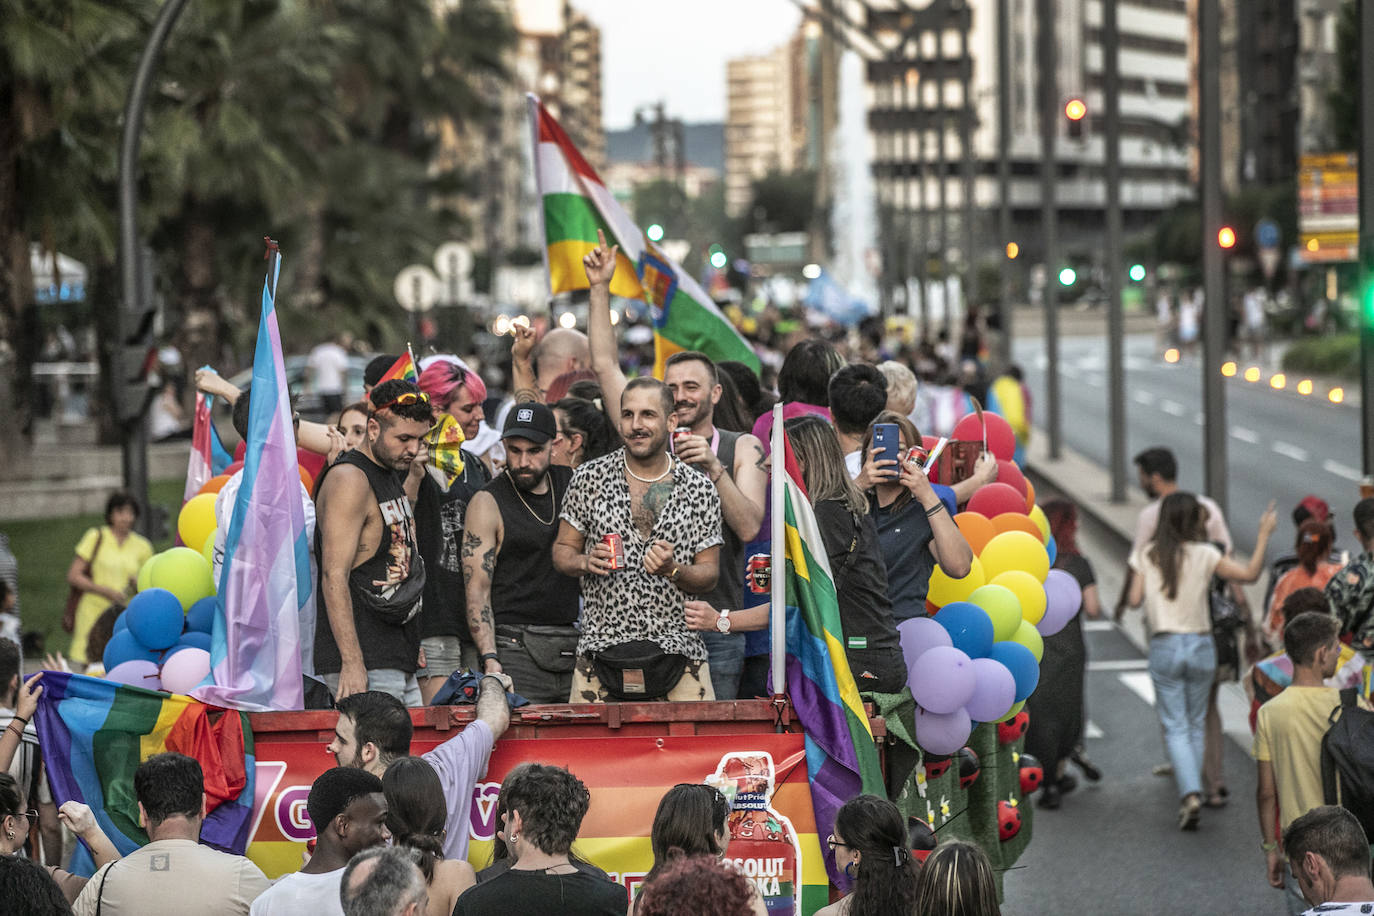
723, 621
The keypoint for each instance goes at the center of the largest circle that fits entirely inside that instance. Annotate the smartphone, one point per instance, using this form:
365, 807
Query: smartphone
887, 446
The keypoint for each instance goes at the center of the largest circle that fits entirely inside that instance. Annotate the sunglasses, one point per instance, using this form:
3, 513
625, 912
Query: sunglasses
406, 399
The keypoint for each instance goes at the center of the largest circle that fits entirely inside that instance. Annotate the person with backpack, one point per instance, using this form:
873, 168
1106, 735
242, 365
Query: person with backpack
1288, 741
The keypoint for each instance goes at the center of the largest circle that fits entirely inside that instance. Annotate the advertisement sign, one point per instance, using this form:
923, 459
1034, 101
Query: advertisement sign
774, 837
1328, 207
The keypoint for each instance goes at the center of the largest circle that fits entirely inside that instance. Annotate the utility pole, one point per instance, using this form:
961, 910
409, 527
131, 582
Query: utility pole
966, 152
1049, 125
1366, 163
942, 172
1116, 381
1004, 171
1215, 308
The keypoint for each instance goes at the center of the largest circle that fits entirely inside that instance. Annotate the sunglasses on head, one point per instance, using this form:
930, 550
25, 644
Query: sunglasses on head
405, 399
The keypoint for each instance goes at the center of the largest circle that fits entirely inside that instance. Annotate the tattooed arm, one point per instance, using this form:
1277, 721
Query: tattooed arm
481, 544
742, 498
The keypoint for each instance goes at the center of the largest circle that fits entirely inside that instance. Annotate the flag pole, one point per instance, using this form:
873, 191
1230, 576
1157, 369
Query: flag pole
414, 365
778, 574
534, 106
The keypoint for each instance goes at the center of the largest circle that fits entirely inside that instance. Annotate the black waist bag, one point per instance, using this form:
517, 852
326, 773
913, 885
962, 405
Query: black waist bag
552, 648
638, 670
399, 607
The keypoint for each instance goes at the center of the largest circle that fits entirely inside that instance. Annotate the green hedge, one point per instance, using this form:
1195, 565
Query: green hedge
1337, 355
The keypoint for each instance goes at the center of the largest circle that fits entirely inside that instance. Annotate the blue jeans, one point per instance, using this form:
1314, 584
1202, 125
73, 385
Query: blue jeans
400, 684
725, 652
1182, 667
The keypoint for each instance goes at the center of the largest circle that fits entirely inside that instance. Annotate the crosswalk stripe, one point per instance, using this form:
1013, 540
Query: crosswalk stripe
1120, 664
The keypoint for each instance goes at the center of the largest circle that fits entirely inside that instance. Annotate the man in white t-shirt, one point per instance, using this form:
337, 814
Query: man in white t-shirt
1329, 854
348, 809
326, 371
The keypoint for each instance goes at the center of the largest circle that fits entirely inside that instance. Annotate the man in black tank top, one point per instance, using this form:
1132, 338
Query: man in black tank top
522, 613
734, 462
371, 575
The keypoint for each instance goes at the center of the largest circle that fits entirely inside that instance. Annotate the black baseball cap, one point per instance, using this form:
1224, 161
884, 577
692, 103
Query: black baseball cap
530, 420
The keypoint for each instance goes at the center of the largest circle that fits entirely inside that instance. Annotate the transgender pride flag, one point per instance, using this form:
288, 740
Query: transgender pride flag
255, 661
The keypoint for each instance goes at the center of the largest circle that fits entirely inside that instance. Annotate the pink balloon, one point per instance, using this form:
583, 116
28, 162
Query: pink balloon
1001, 439
184, 671
943, 680
136, 672
942, 734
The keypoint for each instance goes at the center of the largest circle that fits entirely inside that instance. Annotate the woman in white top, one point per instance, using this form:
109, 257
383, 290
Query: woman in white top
1174, 570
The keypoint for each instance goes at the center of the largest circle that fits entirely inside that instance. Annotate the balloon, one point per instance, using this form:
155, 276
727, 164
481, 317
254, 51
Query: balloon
1037, 515
942, 680
1028, 636
1063, 598
976, 529
994, 690
1013, 713
993, 499
121, 623
191, 640
1051, 549
1008, 473
184, 572
136, 672
944, 590
942, 733
184, 671
969, 628
919, 635
155, 618
200, 618
1028, 591
1022, 665
207, 550
1003, 609
145, 572
1016, 521
197, 519
1030, 495
1015, 550
1001, 439
307, 480
123, 646
215, 484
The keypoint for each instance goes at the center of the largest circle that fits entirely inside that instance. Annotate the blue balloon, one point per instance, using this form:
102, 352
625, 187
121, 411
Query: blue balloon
123, 647
1051, 548
191, 640
200, 617
121, 623
969, 627
1025, 670
155, 618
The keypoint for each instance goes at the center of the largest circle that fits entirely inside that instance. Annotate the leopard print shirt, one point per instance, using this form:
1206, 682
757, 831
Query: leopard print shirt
631, 604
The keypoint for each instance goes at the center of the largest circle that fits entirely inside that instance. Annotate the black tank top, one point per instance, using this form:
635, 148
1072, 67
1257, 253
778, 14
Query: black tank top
525, 588
379, 579
729, 589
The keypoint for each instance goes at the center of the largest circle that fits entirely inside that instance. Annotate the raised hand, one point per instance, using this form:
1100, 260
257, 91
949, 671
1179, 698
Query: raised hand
599, 263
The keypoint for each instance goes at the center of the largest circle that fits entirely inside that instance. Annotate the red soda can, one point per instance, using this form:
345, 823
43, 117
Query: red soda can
760, 573
617, 546
679, 433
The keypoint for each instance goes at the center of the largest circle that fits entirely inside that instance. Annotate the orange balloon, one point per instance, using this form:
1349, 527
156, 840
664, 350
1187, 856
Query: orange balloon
976, 529
1030, 495
214, 484
1015, 521
307, 480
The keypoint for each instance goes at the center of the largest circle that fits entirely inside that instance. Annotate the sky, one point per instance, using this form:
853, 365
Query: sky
675, 50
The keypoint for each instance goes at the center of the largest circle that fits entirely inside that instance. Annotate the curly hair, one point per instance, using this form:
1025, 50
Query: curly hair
551, 803
696, 886
28, 890
383, 401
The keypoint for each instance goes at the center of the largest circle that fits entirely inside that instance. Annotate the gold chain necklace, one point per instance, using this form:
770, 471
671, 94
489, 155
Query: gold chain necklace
553, 495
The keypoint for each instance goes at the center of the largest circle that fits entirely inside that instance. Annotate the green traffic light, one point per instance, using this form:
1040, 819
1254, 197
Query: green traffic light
718, 259
1137, 272
1068, 277
654, 232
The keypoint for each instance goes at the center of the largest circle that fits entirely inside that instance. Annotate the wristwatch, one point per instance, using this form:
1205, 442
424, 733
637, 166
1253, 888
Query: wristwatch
723, 621
1270, 846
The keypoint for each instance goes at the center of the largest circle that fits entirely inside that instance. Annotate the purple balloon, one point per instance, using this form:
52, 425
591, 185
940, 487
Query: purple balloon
942, 734
136, 672
1063, 598
919, 635
993, 693
942, 680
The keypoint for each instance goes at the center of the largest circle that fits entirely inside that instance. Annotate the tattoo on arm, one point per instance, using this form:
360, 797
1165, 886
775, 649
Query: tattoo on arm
762, 460
471, 542
522, 395
489, 562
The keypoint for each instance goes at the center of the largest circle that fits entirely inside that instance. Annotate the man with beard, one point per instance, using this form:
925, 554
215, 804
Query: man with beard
521, 611
665, 523
371, 575
734, 462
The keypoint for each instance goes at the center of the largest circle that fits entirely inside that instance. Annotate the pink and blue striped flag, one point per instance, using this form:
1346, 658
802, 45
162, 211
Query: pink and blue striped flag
255, 661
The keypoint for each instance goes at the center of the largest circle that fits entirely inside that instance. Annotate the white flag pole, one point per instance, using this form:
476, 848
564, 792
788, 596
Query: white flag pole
778, 572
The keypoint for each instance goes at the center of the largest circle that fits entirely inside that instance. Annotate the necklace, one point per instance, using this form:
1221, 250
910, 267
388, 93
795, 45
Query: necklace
552, 495
655, 479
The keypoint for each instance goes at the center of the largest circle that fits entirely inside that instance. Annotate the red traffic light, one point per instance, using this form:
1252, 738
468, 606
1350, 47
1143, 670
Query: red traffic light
1226, 237
1075, 110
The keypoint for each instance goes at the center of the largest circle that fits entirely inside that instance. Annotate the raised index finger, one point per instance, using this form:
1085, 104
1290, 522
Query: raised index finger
601, 238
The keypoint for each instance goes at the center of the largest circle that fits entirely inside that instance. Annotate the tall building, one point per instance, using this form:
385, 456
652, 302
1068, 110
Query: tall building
761, 104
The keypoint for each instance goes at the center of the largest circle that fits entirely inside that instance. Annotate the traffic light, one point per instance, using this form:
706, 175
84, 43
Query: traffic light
1226, 237
718, 258
1068, 276
1013, 250
1137, 272
1076, 111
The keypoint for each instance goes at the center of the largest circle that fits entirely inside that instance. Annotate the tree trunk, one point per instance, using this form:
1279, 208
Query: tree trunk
18, 323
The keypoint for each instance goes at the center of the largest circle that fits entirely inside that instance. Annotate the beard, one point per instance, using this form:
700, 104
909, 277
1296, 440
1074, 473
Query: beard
648, 445
356, 763
688, 414
397, 460
526, 479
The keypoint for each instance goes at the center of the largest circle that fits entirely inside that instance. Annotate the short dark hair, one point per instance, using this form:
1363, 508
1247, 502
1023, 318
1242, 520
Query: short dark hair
686, 823
169, 784
806, 370
241, 412
383, 396
1303, 601
551, 802
118, 500
381, 719
334, 790
858, 393
391, 884
1158, 460
689, 356
1306, 633
746, 381
664, 392
376, 368
1364, 517
11, 795
28, 889
10, 658
1332, 833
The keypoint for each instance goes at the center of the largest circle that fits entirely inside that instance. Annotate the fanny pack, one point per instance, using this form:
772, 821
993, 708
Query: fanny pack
401, 606
638, 670
552, 648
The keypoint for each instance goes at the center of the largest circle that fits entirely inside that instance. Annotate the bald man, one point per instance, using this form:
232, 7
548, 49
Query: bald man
561, 350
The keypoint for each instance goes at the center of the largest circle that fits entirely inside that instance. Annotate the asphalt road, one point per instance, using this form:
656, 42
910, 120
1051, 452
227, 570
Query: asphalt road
1280, 446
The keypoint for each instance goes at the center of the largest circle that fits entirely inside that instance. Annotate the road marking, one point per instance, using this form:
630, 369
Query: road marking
1098, 626
1289, 451
1090, 730
1173, 408
1340, 470
1143, 397
1245, 435
1139, 682
1120, 664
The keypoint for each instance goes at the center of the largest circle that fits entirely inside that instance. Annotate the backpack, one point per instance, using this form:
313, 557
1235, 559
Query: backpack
1347, 760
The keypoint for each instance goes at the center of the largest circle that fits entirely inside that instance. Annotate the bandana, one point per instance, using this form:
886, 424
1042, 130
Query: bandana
445, 439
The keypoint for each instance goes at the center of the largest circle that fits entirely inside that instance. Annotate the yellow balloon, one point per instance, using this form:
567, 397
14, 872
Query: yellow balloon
1027, 590
207, 550
1011, 713
184, 573
1027, 635
1017, 550
197, 520
944, 590
1037, 515
144, 579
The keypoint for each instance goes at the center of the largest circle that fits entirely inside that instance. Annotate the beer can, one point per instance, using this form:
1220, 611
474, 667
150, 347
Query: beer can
760, 573
679, 433
617, 546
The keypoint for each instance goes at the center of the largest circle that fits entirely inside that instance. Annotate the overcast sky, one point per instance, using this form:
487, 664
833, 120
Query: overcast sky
675, 50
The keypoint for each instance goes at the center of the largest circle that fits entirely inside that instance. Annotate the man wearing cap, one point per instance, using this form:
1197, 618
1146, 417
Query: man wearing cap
521, 611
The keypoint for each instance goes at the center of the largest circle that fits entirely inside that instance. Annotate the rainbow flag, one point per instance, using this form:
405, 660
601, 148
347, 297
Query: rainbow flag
576, 203
403, 368
841, 758
94, 734
255, 651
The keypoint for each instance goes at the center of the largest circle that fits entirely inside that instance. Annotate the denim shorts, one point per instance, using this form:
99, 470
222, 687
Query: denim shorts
443, 656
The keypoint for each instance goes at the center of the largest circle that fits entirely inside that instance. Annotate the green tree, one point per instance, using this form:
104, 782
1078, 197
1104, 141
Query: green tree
1344, 98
